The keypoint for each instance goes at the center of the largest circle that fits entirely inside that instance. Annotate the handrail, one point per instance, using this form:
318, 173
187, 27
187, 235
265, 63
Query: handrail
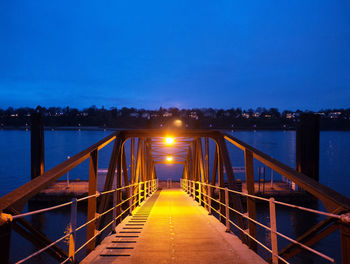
78, 200
150, 193
29, 189
277, 202
317, 189
192, 185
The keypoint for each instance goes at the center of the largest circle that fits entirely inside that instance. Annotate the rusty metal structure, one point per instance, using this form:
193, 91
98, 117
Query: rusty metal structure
124, 189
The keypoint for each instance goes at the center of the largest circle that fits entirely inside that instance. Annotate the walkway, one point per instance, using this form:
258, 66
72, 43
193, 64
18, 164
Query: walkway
171, 228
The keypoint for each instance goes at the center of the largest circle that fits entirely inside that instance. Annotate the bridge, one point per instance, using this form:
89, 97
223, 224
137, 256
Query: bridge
206, 219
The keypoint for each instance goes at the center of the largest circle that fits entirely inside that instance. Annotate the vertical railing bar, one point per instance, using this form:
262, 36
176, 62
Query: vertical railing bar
139, 193
199, 193
114, 210
209, 199
145, 190
274, 246
227, 210
73, 226
130, 200
194, 190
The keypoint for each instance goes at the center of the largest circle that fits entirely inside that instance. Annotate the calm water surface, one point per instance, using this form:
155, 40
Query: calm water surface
15, 171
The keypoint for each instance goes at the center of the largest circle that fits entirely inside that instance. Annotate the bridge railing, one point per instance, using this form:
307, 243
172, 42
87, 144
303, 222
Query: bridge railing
331, 199
141, 172
195, 190
146, 190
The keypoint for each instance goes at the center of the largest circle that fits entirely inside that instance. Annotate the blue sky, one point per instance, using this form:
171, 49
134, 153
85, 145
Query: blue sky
147, 54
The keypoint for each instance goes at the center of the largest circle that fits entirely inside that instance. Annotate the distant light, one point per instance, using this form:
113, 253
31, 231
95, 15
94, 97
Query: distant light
169, 158
178, 123
169, 140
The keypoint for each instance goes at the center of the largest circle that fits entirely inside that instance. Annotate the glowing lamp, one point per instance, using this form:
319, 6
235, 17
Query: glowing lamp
169, 140
169, 158
178, 123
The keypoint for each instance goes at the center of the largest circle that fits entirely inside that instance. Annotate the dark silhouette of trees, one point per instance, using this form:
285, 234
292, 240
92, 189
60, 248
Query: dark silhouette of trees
233, 118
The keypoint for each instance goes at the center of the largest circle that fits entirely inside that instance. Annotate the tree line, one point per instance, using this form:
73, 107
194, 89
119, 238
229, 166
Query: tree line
234, 118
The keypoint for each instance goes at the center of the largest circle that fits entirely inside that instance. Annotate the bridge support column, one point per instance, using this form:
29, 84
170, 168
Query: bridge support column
308, 145
5, 239
249, 170
91, 214
222, 185
345, 242
37, 148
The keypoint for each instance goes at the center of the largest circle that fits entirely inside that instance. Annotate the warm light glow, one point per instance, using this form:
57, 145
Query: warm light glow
178, 123
169, 158
169, 140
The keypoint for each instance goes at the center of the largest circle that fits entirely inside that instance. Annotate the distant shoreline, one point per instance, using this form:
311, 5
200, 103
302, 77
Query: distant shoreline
96, 128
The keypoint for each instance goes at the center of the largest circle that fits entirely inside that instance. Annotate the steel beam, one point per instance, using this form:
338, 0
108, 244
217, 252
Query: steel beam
91, 213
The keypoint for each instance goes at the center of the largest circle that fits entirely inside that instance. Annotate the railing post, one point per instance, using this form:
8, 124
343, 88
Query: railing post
140, 193
249, 172
273, 227
91, 213
131, 199
194, 190
72, 228
114, 210
145, 191
199, 193
227, 210
209, 199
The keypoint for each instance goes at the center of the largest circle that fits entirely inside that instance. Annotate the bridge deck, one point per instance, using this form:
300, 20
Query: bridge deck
171, 228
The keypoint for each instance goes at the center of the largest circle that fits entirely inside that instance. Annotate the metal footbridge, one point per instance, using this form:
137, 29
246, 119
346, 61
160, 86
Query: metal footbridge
206, 219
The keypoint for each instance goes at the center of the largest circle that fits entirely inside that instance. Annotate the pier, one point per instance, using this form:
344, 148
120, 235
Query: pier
134, 218
171, 228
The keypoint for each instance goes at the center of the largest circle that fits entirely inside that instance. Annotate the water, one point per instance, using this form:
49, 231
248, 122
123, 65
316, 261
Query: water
15, 171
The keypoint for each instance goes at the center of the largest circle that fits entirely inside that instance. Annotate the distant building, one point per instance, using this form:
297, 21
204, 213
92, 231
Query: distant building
334, 115
146, 115
193, 115
290, 115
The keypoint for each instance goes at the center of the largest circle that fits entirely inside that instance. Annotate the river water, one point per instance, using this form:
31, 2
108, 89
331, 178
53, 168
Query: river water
59, 144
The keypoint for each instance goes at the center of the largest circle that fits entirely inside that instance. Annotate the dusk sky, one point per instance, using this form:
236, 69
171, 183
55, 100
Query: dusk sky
183, 53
